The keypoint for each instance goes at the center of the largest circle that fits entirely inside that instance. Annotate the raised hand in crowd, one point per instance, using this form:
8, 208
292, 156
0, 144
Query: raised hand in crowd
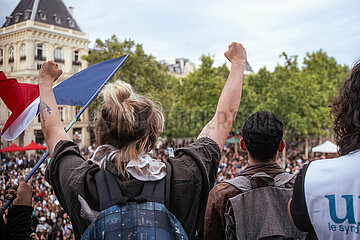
19, 215
21, 192
220, 125
49, 113
49, 73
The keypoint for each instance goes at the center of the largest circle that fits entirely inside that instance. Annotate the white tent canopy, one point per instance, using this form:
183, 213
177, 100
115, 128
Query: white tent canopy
326, 147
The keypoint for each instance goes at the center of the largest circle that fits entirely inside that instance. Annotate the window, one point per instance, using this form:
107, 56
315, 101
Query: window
57, 19
77, 110
27, 14
77, 136
1, 56
76, 58
40, 53
17, 17
71, 22
39, 136
42, 15
58, 55
11, 54
23, 52
61, 113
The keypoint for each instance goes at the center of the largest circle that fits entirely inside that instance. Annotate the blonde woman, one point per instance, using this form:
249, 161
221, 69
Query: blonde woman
126, 130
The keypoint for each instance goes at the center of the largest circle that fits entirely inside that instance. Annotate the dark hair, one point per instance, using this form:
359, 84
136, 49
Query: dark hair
262, 133
345, 110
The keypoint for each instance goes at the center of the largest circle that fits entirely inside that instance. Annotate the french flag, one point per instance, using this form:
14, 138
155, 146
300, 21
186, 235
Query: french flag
23, 99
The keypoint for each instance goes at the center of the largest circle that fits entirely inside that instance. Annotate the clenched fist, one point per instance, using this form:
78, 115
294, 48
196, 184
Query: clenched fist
236, 54
49, 73
22, 193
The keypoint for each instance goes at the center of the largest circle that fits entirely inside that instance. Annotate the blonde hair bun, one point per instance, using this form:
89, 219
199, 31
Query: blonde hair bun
117, 91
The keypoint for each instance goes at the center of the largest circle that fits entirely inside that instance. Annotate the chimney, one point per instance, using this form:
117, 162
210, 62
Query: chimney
71, 10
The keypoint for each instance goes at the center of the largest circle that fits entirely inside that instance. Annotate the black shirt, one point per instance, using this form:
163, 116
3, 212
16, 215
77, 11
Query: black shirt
298, 208
18, 223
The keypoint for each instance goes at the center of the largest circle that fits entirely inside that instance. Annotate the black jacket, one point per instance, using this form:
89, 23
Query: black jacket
190, 176
18, 223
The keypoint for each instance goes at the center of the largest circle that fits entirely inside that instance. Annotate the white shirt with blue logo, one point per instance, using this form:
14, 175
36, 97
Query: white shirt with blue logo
332, 194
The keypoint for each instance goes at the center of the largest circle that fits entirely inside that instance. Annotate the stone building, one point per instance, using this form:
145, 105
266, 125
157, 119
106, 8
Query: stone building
178, 67
35, 32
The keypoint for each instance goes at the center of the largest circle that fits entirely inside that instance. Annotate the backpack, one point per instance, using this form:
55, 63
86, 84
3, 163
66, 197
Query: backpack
260, 213
145, 217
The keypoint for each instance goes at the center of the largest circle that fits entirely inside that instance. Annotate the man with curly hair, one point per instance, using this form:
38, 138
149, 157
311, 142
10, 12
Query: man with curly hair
326, 195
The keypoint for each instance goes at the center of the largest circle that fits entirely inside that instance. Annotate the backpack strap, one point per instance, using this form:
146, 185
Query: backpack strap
241, 183
110, 193
270, 180
244, 184
153, 191
108, 189
283, 178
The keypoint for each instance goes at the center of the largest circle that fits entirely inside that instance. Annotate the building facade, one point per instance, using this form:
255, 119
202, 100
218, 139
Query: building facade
178, 67
35, 32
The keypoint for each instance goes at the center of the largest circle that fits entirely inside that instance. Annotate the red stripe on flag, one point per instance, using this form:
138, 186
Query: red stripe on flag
16, 96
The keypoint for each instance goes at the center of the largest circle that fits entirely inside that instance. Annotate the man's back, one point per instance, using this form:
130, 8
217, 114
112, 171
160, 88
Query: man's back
265, 215
219, 195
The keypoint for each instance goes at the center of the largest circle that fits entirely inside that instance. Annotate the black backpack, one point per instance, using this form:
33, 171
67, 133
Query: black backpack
145, 217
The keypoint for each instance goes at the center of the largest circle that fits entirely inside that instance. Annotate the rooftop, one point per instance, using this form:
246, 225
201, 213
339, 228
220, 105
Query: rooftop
52, 12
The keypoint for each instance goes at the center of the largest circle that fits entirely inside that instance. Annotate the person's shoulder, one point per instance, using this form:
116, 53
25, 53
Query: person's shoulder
65, 148
203, 151
303, 170
224, 190
220, 187
65, 145
199, 146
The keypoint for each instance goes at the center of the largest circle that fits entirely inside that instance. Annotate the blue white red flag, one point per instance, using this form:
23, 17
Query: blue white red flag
23, 99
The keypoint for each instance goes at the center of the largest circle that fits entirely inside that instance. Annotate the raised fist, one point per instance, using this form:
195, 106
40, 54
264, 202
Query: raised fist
236, 53
21, 192
49, 72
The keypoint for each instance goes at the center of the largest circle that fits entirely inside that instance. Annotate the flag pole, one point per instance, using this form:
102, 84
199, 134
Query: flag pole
36, 167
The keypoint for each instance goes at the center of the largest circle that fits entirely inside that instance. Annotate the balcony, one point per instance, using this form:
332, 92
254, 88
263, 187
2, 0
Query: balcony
58, 60
11, 60
40, 58
22, 58
77, 63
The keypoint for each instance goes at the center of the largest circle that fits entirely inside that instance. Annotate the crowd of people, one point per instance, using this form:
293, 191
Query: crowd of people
124, 161
50, 221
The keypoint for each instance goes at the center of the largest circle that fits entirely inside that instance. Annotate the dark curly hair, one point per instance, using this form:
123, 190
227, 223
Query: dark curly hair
345, 110
262, 134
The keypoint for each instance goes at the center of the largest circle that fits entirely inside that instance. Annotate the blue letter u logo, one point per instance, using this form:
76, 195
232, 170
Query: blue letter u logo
349, 209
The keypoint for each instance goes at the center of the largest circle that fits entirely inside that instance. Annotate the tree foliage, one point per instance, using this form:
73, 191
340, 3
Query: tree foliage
298, 95
196, 99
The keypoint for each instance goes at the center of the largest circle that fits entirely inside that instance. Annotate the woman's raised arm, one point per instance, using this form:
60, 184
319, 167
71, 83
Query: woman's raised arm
49, 113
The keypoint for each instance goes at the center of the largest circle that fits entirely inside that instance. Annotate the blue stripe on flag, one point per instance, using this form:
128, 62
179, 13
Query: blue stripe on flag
79, 88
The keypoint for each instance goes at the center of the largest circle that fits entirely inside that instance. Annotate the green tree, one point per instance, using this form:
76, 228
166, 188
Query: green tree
300, 96
196, 99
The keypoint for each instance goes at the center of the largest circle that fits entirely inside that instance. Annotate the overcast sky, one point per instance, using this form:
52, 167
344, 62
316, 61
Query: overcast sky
190, 28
